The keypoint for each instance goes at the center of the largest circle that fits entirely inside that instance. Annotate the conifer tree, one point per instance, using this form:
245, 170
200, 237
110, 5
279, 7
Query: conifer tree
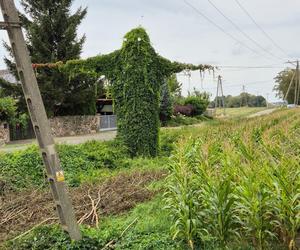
166, 103
51, 34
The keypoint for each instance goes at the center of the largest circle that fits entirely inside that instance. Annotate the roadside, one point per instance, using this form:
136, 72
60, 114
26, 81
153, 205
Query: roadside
263, 112
23, 144
239, 112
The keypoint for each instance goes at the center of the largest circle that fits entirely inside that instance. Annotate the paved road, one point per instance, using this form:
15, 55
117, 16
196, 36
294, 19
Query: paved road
102, 136
261, 113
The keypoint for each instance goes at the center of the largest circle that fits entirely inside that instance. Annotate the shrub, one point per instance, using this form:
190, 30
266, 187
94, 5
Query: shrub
199, 104
187, 110
8, 109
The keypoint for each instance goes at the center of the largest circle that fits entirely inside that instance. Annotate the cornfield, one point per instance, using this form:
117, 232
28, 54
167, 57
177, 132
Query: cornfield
238, 184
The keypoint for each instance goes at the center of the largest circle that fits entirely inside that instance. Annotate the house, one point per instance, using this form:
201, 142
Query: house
105, 106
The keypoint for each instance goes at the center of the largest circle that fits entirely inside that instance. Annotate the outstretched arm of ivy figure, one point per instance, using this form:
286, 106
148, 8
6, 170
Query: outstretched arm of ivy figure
102, 64
168, 67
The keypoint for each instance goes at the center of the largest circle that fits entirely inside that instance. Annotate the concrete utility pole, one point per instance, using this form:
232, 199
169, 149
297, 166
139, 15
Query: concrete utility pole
220, 93
245, 94
39, 118
296, 77
296, 84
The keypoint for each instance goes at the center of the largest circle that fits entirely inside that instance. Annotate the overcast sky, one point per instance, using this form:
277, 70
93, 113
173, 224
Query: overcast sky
180, 33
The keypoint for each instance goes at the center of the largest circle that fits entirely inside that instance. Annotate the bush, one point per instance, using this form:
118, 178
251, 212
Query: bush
7, 109
186, 110
199, 104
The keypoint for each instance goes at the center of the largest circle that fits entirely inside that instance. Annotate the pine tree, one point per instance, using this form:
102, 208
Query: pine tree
166, 103
51, 34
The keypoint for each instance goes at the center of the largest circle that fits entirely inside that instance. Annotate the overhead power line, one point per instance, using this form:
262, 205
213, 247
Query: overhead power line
242, 32
221, 28
241, 84
249, 67
261, 29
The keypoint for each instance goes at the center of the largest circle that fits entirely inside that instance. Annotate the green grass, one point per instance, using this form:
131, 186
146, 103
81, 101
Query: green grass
240, 112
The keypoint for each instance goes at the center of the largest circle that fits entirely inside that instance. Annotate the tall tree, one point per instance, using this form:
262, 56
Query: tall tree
283, 80
174, 86
51, 34
166, 103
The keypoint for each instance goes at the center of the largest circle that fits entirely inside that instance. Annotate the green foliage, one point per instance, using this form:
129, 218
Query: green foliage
25, 169
166, 104
242, 100
199, 101
174, 86
51, 34
283, 80
7, 109
53, 238
79, 95
181, 120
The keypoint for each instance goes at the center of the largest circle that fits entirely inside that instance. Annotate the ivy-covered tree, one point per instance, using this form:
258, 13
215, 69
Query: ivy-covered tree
136, 73
51, 34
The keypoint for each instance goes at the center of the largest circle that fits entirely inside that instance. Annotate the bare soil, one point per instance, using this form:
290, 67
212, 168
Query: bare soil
20, 212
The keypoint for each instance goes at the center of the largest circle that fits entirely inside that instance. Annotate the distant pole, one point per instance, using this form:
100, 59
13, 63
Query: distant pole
189, 79
244, 92
296, 76
222, 93
289, 88
297, 83
267, 100
217, 96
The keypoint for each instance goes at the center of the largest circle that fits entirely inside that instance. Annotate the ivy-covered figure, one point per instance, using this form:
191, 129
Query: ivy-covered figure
136, 73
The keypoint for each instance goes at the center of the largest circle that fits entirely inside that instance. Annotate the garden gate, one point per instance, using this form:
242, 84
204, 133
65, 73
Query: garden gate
108, 122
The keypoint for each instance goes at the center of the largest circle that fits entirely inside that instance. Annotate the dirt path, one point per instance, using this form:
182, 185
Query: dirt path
101, 136
261, 113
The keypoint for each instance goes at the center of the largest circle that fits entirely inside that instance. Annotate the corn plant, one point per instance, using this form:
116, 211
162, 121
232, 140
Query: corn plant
181, 198
238, 184
255, 208
220, 200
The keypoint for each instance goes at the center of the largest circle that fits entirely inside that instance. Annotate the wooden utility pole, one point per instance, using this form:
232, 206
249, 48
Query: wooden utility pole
39, 118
